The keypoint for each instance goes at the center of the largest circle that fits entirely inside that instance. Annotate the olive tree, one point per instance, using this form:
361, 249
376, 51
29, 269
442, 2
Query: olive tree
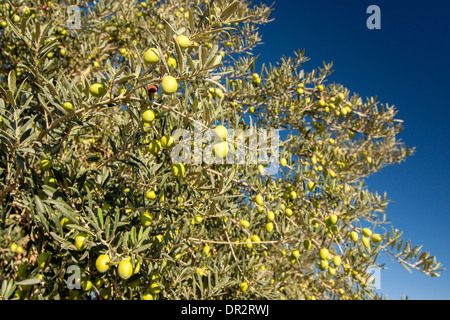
94, 204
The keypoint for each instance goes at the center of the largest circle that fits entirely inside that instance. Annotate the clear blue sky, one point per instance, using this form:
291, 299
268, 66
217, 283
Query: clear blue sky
405, 64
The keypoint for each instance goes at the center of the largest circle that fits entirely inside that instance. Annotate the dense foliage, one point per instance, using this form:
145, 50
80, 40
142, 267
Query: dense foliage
87, 179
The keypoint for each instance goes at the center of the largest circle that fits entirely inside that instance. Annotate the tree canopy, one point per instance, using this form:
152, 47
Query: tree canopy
88, 181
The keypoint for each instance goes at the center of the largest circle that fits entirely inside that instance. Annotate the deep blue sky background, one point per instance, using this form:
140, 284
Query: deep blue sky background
405, 64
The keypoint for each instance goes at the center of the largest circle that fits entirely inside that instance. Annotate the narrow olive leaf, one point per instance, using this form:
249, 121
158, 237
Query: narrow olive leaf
28, 282
237, 20
120, 71
133, 238
217, 84
37, 29
229, 10
143, 236
140, 234
64, 209
3, 289
12, 81
57, 238
108, 227
116, 221
138, 69
212, 208
212, 67
424, 255
125, 236
191, 62
405, 266
399, 245
146, 79
191, 21
100, 217
211, 56
92, 220
201, 38
23, 26
200, 286
126, 78
80, 228
230, 178
203, 57
409, 255
10, 289
142, 248
199, 183
10, 98
221, 182
168, 31
166, 256
45, 35
39, 205
179, 55
205, 35
199, 54
217, 61
16, 31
